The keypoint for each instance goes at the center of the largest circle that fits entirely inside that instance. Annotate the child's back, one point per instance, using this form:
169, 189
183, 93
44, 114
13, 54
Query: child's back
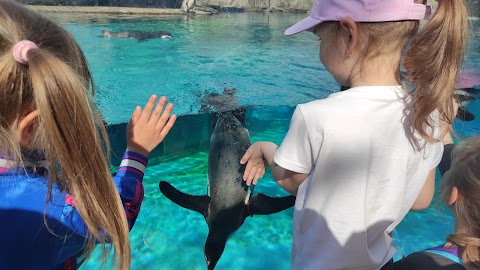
357, 195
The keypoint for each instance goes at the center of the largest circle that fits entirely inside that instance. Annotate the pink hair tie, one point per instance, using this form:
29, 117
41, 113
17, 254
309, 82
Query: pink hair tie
20, 50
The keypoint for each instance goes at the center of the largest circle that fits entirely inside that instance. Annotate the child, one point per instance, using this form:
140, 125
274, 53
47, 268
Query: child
360, 159
459, 189
57, 195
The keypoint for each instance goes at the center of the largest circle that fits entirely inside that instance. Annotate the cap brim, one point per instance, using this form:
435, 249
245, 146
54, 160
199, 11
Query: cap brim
306, 24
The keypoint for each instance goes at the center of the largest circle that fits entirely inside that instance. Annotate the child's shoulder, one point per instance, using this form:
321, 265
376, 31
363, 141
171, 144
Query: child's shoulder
333, 101
329, 100
29, 189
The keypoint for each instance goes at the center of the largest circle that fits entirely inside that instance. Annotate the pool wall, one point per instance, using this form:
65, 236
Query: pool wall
189, 131
193, 131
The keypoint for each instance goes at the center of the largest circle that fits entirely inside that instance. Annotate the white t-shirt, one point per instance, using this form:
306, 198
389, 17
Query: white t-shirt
364, 176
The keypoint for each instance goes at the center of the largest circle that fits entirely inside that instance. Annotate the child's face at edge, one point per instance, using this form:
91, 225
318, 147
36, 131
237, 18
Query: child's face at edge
333, 53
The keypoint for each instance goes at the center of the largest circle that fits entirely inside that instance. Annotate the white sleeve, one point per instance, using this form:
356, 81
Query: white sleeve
295, 152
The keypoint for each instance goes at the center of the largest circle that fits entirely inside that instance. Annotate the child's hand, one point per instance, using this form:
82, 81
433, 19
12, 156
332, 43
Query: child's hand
256, 165
148, 127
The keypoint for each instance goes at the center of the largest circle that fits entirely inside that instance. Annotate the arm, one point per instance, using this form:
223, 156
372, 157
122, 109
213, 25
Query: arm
258, 157
426, 194
147, 129
288, 180
261, 154
129, 180
428, 189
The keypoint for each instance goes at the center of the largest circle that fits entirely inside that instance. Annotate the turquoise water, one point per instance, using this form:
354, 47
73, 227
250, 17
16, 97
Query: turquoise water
246, 51
271, 73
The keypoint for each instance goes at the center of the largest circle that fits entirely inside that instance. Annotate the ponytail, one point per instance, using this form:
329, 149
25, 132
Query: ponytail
433, 62
469, 248
74, 137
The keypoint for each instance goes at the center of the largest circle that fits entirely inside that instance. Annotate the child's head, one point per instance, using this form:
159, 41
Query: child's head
24, 87
362, 32
341, 58
462, 181
460, 189
45, 104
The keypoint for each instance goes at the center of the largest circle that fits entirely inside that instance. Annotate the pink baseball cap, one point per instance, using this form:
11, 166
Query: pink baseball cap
360, 11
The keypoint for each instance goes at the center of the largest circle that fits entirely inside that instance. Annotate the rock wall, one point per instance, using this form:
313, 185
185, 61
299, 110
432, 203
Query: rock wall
290, 5
285, 5
113, 3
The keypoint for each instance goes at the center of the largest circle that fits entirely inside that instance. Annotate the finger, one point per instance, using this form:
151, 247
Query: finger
165, 116
251, 175
147, 111
246, 173
135, 115
246, 156
158, 109
166, 129
248, 181
258, 175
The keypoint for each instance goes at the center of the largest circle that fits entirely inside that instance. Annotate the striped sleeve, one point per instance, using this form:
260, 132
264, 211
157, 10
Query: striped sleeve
129, 180
133, 165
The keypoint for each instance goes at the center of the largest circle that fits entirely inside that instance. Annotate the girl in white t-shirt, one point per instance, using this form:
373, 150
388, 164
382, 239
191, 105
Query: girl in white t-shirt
360, 159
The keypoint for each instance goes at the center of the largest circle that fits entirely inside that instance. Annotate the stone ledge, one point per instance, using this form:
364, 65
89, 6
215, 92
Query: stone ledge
102, 9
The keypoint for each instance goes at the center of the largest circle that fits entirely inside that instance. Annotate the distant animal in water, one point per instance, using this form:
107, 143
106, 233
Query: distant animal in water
229, 201
137, 34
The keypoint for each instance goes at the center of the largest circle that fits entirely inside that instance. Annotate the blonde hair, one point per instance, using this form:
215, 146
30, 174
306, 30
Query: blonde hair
57, 83
464, 174
433, 62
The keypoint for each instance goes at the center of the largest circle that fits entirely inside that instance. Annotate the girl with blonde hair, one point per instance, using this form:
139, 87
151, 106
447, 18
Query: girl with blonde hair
459, 190
360, 159
57, 195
